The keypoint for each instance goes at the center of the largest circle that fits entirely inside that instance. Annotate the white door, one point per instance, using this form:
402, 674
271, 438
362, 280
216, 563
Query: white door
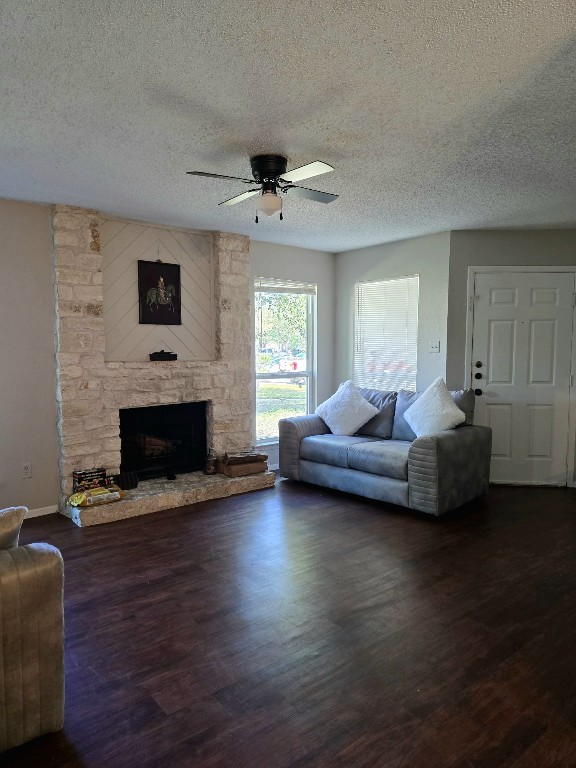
521, 361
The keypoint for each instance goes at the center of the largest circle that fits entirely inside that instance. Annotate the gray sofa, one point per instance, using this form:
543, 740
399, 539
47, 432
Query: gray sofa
385, 460
31, 635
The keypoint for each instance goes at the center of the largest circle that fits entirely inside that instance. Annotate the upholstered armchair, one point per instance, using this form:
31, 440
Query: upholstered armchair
31, 635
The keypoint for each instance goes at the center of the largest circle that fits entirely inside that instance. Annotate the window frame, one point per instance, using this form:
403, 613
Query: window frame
278, 285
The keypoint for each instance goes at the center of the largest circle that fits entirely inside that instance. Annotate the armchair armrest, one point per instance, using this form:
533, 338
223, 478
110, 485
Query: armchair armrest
32, 647
448, 469
292, 431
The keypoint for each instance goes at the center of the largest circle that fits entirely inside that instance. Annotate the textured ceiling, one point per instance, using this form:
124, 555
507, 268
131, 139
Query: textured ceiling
435, 114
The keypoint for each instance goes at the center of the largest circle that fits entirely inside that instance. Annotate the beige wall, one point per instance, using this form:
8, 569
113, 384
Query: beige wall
426, 256
494, 248
289, 263
27, 399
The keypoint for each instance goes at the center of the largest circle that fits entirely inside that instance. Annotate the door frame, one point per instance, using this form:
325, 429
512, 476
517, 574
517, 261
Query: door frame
472, 272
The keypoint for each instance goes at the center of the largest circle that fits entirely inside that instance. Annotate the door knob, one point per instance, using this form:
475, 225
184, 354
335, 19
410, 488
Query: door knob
478, 392
478, 364
477, 375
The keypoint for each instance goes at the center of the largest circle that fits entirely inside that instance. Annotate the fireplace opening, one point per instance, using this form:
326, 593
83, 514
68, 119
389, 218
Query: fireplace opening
163, 440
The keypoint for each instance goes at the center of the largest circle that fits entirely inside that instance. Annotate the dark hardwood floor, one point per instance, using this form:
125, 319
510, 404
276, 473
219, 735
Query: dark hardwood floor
303, 627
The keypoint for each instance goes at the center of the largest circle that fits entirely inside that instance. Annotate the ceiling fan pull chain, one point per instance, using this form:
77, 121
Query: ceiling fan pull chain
281, 217
256, 218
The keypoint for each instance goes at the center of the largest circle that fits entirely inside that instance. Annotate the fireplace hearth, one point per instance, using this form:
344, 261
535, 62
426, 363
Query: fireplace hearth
163, 440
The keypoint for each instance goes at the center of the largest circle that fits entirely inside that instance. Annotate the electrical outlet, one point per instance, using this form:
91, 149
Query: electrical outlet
26, 470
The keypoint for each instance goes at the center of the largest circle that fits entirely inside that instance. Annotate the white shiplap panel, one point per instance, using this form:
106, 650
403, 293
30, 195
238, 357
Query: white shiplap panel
109, 229
192, 278
117, 245
119, 337
201, 340
123, 244
196, 297
142, 246
120, 292
195, 281
120, 262
198, 249
197, 325
126, 337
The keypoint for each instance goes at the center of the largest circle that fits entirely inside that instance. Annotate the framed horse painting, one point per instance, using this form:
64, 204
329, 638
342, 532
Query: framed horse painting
159, 293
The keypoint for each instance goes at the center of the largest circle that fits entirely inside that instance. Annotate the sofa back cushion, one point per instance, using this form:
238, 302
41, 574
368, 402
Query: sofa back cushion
465, 399
381, 424
10, 523
401, 430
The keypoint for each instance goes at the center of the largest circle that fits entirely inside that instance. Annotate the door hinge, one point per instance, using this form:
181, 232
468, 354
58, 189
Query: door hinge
471, 303
571, 379
574, 299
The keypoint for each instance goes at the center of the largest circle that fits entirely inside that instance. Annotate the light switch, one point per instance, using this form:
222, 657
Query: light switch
433, 346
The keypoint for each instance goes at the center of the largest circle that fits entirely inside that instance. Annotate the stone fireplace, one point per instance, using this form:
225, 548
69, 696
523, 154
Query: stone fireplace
91, 391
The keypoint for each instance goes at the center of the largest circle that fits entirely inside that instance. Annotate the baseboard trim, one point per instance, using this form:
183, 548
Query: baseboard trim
531, 484
41, 511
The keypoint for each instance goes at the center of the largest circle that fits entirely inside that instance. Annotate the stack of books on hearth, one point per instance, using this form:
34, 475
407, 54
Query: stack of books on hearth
86, 479
93, 486
243, 463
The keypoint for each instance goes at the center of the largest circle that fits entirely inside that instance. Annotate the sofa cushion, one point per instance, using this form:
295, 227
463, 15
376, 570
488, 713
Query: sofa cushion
465, 399
401, 430
386, 489
329, 449
346, 411
381, 424
389, 459
10, 523
434, 411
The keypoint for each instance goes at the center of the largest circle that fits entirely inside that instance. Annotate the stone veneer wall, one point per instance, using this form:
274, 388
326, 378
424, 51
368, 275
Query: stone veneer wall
91, 391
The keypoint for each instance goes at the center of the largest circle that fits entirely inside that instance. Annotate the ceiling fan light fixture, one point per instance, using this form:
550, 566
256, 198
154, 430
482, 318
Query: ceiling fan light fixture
269, 203
269, 173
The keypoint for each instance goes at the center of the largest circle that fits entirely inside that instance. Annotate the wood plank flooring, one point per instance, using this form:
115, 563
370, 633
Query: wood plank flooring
302, 627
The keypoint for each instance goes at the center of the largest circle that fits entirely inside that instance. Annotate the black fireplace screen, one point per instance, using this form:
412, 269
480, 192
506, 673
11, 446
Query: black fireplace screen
163, 440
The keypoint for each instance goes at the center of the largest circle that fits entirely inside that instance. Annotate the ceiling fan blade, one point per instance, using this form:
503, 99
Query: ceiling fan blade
219, 176
307, 171
239, 198
311, 194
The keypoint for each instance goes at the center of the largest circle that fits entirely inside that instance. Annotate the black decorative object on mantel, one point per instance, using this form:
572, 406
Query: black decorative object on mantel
163, 355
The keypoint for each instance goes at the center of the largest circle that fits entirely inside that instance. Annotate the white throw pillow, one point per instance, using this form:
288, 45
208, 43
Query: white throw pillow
434, 411
346, 411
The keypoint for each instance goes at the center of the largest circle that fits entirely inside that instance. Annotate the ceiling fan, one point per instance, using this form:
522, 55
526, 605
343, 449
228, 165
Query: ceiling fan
269, 171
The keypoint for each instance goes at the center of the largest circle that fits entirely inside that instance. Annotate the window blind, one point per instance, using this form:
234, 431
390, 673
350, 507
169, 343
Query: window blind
272, 285
386, 333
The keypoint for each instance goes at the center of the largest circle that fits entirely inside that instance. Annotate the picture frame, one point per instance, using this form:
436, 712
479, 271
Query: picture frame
159, 294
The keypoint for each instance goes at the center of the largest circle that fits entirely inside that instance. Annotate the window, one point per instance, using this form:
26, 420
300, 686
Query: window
284, 314
386, 333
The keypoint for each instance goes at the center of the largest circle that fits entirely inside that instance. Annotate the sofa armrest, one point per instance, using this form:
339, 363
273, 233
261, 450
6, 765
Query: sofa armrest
449, 468
32, 647
292, 431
